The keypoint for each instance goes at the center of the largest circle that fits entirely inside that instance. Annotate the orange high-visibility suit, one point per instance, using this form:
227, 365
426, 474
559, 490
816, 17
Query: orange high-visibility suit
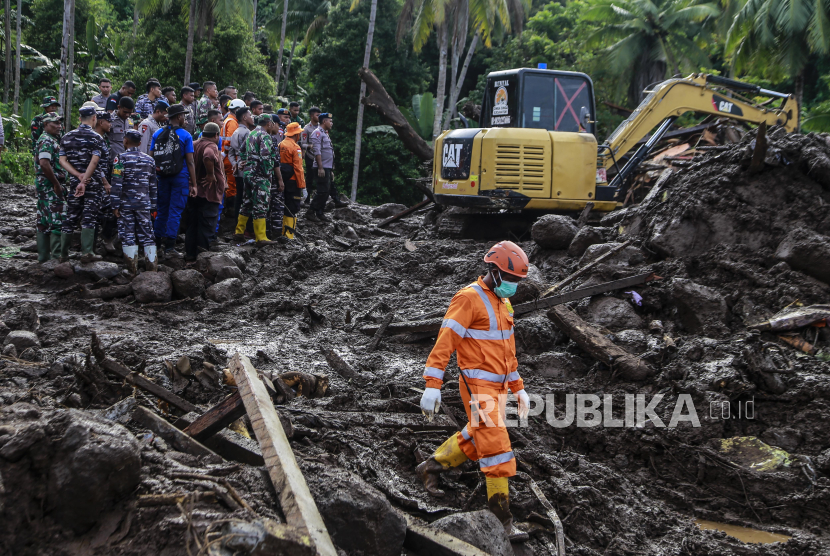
478, 326
228, 127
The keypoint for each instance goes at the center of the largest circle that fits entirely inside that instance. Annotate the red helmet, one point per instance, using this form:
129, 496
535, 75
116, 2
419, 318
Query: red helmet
509, 257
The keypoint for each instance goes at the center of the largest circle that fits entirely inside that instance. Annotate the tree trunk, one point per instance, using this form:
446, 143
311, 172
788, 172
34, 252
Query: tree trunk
377, 98
799, 95
7, 72
442, 80
359, 133
67, 19
17, 58
70, 67
253, 22
135, 28
191, 30
288, 68
453, 77
282, 42
466, 65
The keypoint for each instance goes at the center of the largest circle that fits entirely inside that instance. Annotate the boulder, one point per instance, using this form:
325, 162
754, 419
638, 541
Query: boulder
64, 271
350, 233
188, 283
348, 214
95, 464
558, 365
611, 313
584, 238
808, 252
629, 255
4, 331
29, 246
358, 517
22, 339
98, 270
554, 231
211, 266
21, 317
531, 287
481, 529
534, 333
228, 272
226, 290
152, 287
237, 257
387, 210
26, 232
699, 309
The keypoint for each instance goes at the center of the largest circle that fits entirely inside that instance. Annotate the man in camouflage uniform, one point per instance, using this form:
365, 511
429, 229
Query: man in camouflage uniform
208, 101
259, 160
49, 177
145, 103
50, 106
275, 210
81, 151
133, 197
109, 230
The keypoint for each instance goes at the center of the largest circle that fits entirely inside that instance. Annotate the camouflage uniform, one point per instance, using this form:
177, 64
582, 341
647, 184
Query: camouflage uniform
79, 146
144, 106
275, 212
202, 106
134, 192
49, 205
259, 158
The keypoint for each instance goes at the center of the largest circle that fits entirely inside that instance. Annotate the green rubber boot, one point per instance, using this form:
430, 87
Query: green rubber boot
87, 246
43, 253
66, 240
55, 245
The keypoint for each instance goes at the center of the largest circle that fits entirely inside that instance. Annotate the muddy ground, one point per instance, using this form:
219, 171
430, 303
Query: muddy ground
73, 471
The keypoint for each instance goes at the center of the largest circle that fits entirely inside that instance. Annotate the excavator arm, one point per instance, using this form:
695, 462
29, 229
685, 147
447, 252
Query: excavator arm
697, 93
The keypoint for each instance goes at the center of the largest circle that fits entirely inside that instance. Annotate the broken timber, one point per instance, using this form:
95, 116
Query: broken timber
138, 380
380, 332
403, 213
585, 268
178, 440
295, 498
217, 417
422, 539
552, 515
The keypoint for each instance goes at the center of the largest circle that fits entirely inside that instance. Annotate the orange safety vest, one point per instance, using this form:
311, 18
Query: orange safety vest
291, 153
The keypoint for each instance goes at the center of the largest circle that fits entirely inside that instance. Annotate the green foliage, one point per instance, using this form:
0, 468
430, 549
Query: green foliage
421, 115
16, 165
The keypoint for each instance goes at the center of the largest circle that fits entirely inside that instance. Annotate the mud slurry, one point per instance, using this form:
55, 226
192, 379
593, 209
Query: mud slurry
711, 232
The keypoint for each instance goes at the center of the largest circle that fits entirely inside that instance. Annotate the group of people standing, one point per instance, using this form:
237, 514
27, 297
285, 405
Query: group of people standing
140, 170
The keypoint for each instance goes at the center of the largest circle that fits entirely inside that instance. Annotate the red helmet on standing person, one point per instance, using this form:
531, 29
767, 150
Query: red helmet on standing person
509, 257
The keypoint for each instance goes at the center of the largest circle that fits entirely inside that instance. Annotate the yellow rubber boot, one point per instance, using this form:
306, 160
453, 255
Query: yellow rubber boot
498, 501
288, 225
259, 232
449, 453
241, 222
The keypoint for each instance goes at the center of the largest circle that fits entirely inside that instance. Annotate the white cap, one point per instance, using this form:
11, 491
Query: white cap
235, 103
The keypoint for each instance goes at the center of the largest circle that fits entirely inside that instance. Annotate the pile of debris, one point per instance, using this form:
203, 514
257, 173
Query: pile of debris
265, 401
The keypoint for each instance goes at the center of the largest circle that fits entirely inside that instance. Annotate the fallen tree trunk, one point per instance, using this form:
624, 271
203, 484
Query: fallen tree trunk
598, 346
109, 292
377, 98
403, 213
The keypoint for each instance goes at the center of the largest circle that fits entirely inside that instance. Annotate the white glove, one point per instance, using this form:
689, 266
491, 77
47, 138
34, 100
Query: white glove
524, 403
430, 401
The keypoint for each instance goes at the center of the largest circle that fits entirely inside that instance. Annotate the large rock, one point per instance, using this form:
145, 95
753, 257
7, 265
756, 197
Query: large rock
481, 529
64, 271
554, 231
531, 287
348, 214
628, 255
22, 339
584, 238
612, 313
96, 463
358, 517
699, 309
808, 252
188, 283
211, 266
228, 272
21, 317
98, 270
152, 287
226, 290
387, 210
26, 232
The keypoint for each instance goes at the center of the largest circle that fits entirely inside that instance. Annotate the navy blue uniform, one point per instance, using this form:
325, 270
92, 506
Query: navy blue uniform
79, 146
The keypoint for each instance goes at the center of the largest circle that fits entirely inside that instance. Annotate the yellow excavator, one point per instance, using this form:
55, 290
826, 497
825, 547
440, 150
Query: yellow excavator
536, 148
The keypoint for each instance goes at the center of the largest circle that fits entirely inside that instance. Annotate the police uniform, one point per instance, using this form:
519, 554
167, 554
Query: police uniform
116, 134
49, 203
134, 193
101, 101
321, 146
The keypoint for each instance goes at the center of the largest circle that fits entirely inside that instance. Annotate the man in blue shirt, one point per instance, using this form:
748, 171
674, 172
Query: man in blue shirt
174, 190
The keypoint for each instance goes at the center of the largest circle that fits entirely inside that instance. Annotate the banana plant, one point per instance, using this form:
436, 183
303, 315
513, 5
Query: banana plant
421, 115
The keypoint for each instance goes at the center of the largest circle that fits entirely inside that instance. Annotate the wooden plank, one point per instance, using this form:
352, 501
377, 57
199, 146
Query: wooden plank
422, 539
217, 417
430, 325
178, 440
411, 421
403, 213
295, 499
138, 380
583, 217
380, 331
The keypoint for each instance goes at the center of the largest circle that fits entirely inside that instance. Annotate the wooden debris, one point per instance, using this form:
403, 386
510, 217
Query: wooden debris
380, 332
220, 480
172, 499
177, 439
138, 380
216, 418
760, 152
295, 499
412, 327
598, 346
411, 421
422, 539
583, 216
552, 515
340, 366
403, 213
586, 268
799, 343
109, 292
307, 385
791, 319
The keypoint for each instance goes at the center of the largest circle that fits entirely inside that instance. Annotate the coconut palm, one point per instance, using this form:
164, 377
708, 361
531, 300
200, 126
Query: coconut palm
306, 19
644, 39
359, 132
7, 16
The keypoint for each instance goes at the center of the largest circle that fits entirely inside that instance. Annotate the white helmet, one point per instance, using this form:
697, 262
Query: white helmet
235, 103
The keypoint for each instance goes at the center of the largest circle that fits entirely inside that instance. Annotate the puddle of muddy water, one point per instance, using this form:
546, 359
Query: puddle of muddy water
744, 534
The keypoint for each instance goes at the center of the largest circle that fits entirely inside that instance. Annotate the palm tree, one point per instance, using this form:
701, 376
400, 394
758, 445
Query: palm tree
646, 38
359, 132
306, 19
282, 43
17, 58
7, 69
778, 36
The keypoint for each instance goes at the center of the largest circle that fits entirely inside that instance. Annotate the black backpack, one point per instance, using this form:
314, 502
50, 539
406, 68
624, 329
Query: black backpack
167, 153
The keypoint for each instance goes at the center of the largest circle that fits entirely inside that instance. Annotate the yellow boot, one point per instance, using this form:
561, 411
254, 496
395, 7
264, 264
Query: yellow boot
498, 501
447, 456
288, 226
241, 222
259, 233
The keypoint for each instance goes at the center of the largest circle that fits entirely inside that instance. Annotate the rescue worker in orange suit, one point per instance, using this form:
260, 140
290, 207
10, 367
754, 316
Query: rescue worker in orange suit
230, 125
291, 167
479, 326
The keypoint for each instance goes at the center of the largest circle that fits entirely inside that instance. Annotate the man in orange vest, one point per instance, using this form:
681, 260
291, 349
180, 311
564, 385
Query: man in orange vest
230, 125
291, 167
479, 326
